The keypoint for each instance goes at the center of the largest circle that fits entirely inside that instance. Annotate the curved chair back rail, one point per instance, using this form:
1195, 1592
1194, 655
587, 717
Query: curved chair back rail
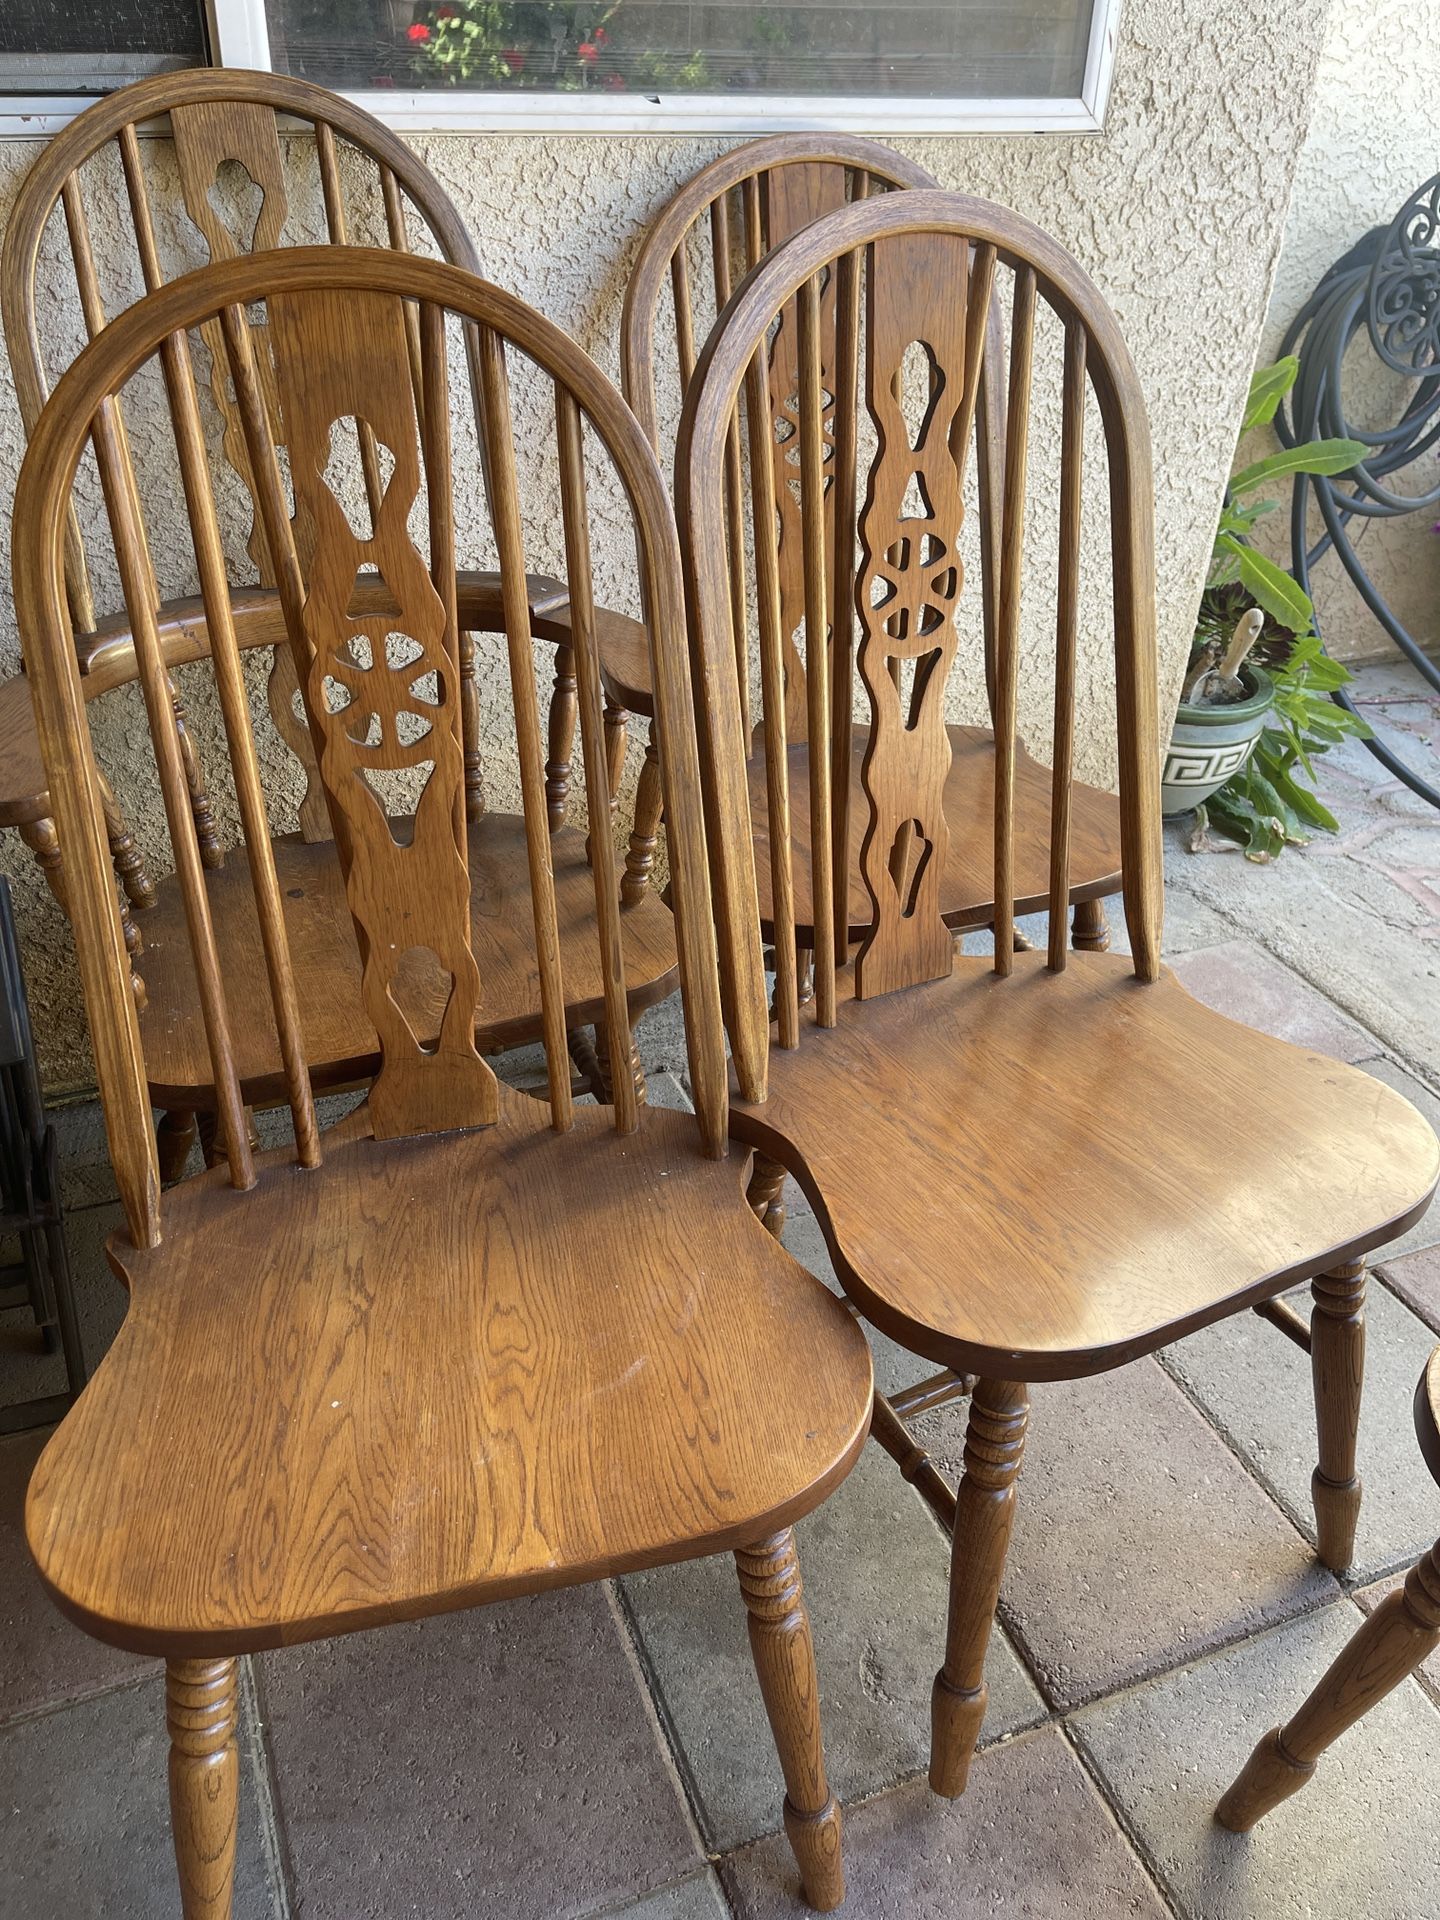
928, 264
223, 123
341, 326
745, 205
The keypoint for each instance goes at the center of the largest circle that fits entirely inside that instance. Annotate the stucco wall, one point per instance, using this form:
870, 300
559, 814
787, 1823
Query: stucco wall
1374, 137
1177, 209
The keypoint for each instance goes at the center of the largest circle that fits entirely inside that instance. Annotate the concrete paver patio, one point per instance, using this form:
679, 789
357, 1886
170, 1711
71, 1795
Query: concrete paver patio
604, 1752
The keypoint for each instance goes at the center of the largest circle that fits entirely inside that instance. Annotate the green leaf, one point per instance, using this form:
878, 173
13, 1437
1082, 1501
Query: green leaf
1315, 456
1274, 590
1234, 816
1268, 387
1302, 801
1269, 801
1324, 676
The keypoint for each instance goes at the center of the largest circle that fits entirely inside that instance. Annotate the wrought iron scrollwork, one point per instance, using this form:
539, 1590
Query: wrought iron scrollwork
1404, 290
1389, 285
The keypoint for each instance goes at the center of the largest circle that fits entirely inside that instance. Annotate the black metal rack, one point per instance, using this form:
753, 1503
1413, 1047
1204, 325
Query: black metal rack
30, 1207
1389, 284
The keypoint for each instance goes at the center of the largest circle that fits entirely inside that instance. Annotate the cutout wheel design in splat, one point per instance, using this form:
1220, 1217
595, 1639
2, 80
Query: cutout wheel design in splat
382, 692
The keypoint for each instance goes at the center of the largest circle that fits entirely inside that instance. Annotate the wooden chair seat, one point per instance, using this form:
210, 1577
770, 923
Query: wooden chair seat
452, 1397
1043, 1177
23, 787
340, 1043
967, 887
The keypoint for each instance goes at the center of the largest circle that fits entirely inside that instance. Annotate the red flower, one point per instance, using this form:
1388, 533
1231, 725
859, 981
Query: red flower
599, 36
514, 60
447, 13
588, 52
418, 32
614, 82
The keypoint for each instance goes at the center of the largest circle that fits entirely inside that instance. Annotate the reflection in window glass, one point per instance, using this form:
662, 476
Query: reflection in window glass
92, 46
959, 49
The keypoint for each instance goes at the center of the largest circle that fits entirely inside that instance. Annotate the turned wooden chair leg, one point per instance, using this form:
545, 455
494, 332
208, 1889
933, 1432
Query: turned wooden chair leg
605, 1089
561, 738
470, 729
785, 1663
804, 975
1403, 1630
984, 1512
174, 1137
581, 1042
1089, 929
201, 1705
617, 732
212, 1147
645, 832
43, 841
767, 1183
1337, 1365
128, 859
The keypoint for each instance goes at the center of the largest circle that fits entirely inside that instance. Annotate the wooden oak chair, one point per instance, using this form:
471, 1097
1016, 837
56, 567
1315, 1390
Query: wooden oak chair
245, 187
1035, 1166
744, 205
1403, 1631
459, 1347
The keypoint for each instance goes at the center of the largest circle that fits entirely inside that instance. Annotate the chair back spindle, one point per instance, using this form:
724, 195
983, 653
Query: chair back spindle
814, 484
1012, 580
1067, 621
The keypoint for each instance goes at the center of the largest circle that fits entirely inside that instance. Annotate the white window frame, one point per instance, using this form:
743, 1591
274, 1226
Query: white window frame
239, 37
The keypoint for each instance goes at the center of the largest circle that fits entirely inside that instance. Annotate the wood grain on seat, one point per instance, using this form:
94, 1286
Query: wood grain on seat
340, 1043
967, 885
419, 1379
23, 792
1042, 1177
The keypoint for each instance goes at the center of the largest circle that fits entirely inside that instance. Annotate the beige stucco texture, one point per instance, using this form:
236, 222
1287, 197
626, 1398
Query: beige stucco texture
1177, 209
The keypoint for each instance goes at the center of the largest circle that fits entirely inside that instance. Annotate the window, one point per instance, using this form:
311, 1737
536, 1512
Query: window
724, 66
95, 47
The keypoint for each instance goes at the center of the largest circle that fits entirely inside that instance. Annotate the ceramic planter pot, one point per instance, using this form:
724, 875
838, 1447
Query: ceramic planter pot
1208, 744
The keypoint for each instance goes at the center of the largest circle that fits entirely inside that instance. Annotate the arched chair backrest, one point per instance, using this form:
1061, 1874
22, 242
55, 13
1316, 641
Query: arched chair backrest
928, 263
380, 690
751, 200
222, 121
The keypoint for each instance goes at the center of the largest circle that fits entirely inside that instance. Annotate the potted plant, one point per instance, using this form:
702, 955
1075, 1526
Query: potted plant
1255, 710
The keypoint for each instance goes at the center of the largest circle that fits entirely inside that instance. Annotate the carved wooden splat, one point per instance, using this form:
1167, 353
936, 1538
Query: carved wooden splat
794, 197
907, 589
382, 692
209, 135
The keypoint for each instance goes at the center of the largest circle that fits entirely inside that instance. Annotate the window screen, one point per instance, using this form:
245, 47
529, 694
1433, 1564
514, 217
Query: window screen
959, 49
